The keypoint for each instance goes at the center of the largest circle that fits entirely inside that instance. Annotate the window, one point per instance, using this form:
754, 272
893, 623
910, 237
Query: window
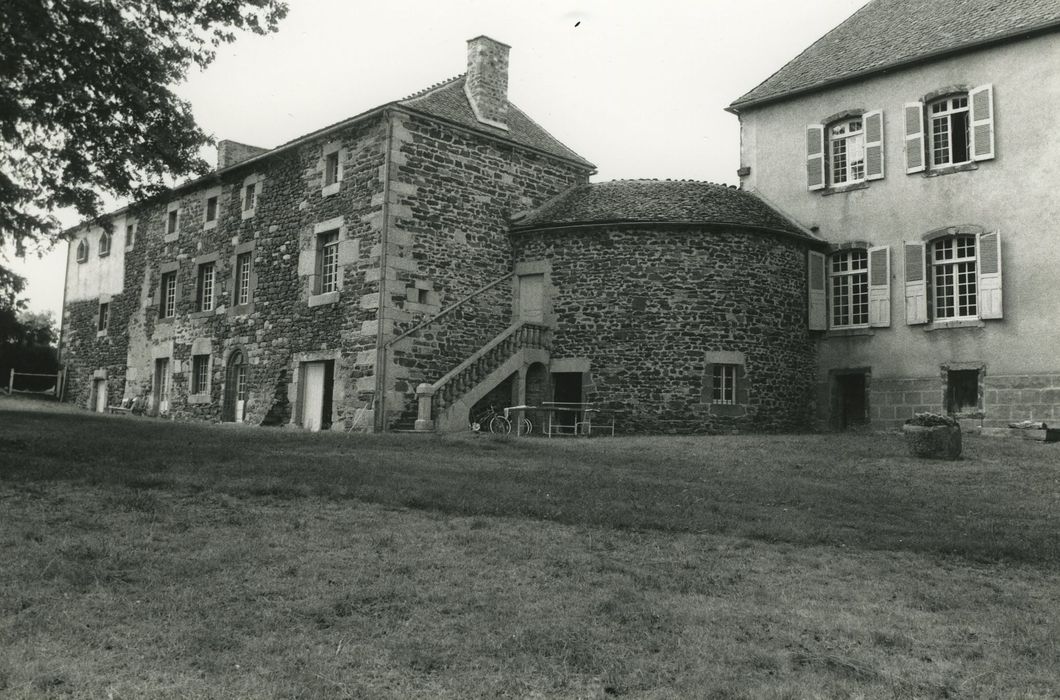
250, 196
328, 256
204, 287
962, 391
949, 131
956, 276
104, 244
200, 373
168, 288
849, 287
243, 269
949, 128
331, 168
130, 235
724, 384
104, 317
211, 209
171, 222
953, 267
846, 150
82, 251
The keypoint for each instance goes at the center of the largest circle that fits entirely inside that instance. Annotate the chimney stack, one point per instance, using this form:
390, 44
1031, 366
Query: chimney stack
232, 152
486, 85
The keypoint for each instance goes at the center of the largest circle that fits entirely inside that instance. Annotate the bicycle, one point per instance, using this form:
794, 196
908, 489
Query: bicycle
498, 423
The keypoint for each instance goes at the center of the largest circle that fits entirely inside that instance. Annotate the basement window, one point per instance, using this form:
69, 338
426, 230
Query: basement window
962, 391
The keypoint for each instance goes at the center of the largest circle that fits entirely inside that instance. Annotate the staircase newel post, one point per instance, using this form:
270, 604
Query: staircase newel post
424, 395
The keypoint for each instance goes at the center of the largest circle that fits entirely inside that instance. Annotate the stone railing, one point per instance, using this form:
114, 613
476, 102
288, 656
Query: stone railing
468, 374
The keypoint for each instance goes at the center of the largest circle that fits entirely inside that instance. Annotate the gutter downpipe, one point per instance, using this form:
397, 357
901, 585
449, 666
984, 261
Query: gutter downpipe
379, 418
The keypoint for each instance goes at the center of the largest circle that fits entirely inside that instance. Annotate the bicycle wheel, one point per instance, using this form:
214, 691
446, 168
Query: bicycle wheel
500, 425
528, 426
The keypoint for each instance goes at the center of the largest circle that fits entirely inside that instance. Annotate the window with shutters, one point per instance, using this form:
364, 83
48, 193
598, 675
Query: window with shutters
953, 278
859, 291
844, 151
944, 132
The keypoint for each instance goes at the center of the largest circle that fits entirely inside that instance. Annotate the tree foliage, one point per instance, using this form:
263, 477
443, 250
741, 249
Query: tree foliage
86, 105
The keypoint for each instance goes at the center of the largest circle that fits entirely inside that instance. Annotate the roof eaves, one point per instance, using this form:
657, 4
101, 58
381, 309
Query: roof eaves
1023, 33
795, 232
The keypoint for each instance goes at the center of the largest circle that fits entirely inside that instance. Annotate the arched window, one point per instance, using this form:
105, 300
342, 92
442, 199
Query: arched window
104, 244
82, 251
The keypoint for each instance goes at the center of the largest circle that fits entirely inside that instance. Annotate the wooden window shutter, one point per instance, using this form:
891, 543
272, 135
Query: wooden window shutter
914, 137
989, 275
818, 306
815, 157
915, 284
873, 145
880, 287
982, 128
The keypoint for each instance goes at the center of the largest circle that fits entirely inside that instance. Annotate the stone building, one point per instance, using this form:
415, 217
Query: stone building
920, 141
440, 249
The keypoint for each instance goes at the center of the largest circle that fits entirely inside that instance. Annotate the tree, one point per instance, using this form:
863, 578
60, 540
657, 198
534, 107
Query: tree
86, 104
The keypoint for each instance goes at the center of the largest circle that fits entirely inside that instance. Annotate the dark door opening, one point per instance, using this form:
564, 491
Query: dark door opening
962, 391
567, 389
853, 401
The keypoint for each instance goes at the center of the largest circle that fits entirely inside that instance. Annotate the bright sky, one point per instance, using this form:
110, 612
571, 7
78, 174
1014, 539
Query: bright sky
638, 88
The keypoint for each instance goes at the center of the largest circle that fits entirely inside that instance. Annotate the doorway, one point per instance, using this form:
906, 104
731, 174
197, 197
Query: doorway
567, 389
317, 380
851, 395
161, 386
235, 388
99, 391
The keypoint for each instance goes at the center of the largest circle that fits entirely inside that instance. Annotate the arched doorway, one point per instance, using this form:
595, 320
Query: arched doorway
235, 388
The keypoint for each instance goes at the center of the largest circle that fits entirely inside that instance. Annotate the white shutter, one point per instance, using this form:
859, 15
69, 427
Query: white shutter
815, 156
914, 137
989, 246
982, 115
873, 123
818, 305
880, 287
915, 284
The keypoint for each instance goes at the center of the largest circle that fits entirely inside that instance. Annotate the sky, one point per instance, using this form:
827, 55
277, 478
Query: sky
638, 88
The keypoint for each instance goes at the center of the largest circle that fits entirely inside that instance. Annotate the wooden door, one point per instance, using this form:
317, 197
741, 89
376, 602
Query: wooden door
100, 390
313, 395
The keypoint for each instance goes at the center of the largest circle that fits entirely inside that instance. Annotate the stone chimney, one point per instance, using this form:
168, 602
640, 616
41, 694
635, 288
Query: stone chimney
232, 152
486, 85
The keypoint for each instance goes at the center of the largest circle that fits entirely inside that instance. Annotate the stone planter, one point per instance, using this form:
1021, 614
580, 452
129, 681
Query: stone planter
934, 442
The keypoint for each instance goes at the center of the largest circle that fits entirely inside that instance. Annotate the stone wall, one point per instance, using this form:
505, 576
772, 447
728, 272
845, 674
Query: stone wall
280, 322
650, 306
453, 194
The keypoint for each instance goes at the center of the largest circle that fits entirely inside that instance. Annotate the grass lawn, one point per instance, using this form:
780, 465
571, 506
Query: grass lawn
145, 558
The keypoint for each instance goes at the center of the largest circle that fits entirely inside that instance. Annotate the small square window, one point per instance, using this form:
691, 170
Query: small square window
421, 296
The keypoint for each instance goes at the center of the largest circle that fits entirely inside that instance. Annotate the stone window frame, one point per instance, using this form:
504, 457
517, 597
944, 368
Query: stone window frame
309, 259
332, 148
104, 244
258, 182
130, 233
235, 308
164, 270
741, 394
214, 193
103, 316
548, 292
198, 263
171, 224
944, 373
201, 347
82, 251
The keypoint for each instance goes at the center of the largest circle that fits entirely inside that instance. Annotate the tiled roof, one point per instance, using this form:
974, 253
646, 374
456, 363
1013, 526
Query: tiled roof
448, 101
656, 201
887, 33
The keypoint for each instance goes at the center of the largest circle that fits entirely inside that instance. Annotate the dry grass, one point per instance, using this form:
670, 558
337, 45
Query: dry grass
149, 559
